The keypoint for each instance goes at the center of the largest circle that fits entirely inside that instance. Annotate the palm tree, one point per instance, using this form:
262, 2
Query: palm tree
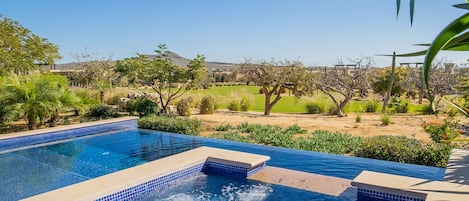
38, 97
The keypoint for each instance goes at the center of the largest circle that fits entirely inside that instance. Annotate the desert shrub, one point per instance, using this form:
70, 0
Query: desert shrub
330, 142
404, 150
399, 105
224, 127
245, 103
315, 108
183, 125
207, 105
113, 100
385, 119
183, 108
230, 135
444, 131
427, 109
234, 105
358, 118
143, 106
434, 155
371, 106
101, 112
295, 129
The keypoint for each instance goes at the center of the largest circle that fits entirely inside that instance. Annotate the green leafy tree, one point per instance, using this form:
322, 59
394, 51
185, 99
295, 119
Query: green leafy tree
274, 77
21, 50
168, 80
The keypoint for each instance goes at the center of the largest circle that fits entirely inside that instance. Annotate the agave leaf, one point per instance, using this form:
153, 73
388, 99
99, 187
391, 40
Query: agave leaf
398, 2
462, 6
446, 35
423, 44
413, 54
462, 109
412, 6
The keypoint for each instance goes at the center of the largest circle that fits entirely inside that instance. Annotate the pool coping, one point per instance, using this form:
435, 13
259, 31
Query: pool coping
110, 184
64, 127
387, 187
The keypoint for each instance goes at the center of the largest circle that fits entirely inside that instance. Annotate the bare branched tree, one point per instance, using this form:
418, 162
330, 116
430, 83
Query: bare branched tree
274, 77
341, 83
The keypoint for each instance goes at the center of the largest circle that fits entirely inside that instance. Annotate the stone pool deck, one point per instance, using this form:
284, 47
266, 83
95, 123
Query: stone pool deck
328, 185
457, 170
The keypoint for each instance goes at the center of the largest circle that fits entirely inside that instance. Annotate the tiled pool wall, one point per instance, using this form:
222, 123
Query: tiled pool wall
42, 137
371, 195
229, 169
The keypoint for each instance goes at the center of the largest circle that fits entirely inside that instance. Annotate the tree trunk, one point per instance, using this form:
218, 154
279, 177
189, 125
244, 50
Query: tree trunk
391, 80
54, 118
101, 96
32, 124
267, 108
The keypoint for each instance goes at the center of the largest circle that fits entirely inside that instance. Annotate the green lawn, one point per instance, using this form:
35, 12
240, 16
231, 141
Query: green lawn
288, 104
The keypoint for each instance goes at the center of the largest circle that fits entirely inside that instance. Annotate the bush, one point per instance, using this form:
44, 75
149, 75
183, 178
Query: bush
224, 127
358, 119
207, 105
330, 142
183, 108
399, 105
315, 108
385, 120
183, 125
245, 104
234, 105
441, 132
371, 106
114, 100
427, 109
295, 129
102, 112
143, 106
404, 150
231, 135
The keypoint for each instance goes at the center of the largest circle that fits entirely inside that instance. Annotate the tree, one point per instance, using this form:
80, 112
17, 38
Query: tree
274, 77
99, 73
168, 80
21, 50
341, 85
37, 96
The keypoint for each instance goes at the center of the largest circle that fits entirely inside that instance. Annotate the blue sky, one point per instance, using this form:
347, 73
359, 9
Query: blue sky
316, 32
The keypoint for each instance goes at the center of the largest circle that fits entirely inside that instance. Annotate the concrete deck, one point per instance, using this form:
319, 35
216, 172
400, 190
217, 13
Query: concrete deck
64, 127
414, 187
457, 170
117, 181
306, 181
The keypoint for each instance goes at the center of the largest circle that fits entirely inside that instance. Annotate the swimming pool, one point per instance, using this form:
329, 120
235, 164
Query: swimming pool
34, 170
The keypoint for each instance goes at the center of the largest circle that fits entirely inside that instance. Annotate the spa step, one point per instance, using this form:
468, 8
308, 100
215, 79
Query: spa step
306, 181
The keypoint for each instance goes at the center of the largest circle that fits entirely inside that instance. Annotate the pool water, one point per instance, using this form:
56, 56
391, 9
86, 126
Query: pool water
34, 170
211, 187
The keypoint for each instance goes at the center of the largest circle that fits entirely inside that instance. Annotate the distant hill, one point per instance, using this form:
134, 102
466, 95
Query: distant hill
177, 59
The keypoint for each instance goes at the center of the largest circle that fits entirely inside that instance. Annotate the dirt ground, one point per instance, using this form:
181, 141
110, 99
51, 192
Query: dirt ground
370, 125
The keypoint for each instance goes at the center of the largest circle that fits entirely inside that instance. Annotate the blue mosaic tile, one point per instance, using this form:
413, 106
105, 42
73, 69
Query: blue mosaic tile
153, 185
66, 134
369, 195
209, 167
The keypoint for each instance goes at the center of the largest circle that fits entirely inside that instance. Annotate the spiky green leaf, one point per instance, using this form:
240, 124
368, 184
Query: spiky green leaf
462, 6
412, 6
444, 37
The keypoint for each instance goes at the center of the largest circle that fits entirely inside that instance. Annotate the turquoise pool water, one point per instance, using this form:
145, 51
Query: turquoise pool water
38, 169
211, 187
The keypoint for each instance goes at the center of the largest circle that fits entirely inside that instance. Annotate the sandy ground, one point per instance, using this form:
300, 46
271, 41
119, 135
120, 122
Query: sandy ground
370, 125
